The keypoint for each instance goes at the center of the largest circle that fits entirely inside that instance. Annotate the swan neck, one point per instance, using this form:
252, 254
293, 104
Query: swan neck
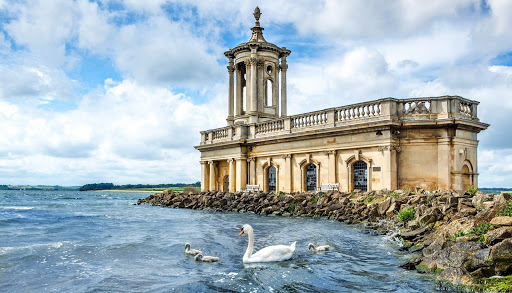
250, 245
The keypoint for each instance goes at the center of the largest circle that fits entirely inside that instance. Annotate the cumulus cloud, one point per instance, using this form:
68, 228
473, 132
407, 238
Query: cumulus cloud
127, 126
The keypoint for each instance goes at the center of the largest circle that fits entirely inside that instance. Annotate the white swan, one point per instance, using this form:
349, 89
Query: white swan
267, 254
207, 258
190, 251
318, 248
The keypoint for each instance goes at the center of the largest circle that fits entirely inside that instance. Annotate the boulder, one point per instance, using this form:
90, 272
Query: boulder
501, 255
414, 233
431, 215
384, 206
498, 235
502, 221
458, 276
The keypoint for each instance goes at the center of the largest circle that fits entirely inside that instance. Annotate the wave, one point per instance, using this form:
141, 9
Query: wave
51, 245
16, 208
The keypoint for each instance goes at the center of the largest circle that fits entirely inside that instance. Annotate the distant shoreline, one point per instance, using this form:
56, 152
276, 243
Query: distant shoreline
126, 190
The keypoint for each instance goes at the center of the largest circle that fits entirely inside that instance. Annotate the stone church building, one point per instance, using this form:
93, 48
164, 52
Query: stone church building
387, 143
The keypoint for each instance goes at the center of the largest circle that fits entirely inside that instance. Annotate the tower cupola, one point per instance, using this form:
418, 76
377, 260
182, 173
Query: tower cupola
257, 91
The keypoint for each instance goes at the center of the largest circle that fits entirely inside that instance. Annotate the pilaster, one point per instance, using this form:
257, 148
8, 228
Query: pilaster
241, 174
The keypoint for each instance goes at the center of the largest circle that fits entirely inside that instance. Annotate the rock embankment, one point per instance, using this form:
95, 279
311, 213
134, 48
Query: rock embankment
466, 239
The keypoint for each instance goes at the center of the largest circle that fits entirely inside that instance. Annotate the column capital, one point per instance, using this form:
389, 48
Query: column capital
331, 152
212, 163
231, 160
251, 159
287, 156
231, 69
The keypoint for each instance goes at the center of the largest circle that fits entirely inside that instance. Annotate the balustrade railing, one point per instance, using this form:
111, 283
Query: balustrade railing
270, 126
406, 109
309, 119
357, 111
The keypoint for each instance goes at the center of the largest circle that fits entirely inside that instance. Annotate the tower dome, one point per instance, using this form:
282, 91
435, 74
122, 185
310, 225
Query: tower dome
255, 92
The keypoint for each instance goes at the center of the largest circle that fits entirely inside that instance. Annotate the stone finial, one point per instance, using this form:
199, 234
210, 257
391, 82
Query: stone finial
257, 15
257, 31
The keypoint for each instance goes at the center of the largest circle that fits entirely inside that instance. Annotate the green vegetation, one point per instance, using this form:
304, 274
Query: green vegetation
138, 187
458, 234
405, 215
369, 200
291, 208
472, 190
499, 285
480, 230
394, 194
507, 211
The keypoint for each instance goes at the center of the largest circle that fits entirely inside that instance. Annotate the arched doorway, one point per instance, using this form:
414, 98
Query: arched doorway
311, 177
466, 178
272, 179
226, 183
360, 176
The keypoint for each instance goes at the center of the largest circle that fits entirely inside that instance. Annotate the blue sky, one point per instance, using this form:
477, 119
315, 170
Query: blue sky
118, 90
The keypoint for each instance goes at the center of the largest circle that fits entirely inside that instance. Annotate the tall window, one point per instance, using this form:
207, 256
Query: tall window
360, 176
311, 177
272, 178
268, 92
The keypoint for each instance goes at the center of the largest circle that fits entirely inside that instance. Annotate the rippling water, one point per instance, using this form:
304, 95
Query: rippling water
92, 242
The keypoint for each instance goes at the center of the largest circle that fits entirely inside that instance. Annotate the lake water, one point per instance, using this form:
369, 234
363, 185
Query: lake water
102, 242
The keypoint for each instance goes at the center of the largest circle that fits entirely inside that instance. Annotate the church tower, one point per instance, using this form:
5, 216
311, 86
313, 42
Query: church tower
256, 93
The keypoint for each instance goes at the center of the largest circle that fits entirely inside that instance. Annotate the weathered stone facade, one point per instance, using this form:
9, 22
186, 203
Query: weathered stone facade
387, 143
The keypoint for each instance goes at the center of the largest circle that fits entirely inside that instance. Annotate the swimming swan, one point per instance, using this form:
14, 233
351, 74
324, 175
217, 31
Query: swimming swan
207, 258
191, 251
318, 248
267, 254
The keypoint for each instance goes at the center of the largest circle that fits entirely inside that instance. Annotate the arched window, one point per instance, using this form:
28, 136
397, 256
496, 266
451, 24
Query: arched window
272, 179
311, 177
360, 176
268, 92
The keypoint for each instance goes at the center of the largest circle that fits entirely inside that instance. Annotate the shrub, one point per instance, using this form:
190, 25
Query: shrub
369, 200
458, 234
291, 208
405, 215
394, 194
507, 211
472, 190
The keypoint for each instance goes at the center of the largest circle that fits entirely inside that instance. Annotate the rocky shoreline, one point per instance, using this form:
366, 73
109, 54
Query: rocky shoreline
466, 239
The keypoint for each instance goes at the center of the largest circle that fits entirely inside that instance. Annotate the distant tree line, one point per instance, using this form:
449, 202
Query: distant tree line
107, 186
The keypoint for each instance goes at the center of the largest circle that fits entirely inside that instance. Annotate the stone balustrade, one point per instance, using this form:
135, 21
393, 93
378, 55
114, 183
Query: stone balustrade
309, 119
431, 108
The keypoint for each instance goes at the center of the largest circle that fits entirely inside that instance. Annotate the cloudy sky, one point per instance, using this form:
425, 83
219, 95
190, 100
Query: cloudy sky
117, 91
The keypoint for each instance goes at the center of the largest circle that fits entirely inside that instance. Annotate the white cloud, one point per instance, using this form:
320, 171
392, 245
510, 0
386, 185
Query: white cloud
127, 130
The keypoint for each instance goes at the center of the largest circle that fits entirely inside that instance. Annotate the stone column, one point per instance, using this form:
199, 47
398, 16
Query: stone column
241, 174
205, 176
252, 171
231, 94
332, 166
232, 175
239, 88
213, 178
275, 92
287, 173
253, 106
284, 68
